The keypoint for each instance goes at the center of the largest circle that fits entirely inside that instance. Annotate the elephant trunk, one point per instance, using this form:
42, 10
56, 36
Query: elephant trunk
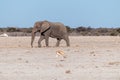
32, 38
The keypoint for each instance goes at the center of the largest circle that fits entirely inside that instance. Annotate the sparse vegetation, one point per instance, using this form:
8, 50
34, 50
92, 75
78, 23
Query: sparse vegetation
79, 31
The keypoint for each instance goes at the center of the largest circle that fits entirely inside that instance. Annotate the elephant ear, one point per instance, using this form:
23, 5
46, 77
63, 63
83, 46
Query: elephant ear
45, 25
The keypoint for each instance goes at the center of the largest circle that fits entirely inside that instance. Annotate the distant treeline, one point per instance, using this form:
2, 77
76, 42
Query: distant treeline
79, 31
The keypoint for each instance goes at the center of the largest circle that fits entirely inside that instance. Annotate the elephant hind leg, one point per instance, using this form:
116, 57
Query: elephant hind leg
67, 40
58, 42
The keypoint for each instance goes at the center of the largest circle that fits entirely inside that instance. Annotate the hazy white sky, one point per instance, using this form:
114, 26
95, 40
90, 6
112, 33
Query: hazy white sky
73, 13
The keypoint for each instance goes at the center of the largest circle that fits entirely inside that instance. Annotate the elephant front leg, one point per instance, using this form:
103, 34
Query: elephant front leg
47, 41
39, 42
58, 42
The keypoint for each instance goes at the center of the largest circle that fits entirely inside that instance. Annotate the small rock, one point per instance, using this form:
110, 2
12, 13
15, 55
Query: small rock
26, 61
67, 71
19, 58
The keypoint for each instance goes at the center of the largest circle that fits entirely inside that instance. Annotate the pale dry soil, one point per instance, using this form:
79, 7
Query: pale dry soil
88, 58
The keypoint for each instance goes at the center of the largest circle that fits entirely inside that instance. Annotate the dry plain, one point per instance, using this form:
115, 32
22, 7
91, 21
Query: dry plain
88, 58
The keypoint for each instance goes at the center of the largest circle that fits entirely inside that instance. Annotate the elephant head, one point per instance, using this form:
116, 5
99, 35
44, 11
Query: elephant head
40, 26
35, 29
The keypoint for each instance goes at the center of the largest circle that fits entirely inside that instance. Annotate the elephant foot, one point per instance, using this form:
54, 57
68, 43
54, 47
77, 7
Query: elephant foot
47, 46
57, 46
39, 46
68, 45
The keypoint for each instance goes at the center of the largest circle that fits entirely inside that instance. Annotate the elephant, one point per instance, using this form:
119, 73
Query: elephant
50, 29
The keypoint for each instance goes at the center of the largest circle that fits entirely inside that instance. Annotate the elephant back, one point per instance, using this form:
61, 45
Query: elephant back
58, 29
57, 26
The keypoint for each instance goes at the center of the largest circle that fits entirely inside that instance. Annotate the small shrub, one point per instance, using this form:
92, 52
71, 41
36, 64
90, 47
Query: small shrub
11, 29
118, 30
113, 34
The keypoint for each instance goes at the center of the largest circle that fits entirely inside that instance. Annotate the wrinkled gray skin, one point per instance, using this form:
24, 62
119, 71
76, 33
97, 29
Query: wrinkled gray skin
57, 30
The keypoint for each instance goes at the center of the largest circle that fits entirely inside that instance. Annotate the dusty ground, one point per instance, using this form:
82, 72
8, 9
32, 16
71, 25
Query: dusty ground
88, 58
